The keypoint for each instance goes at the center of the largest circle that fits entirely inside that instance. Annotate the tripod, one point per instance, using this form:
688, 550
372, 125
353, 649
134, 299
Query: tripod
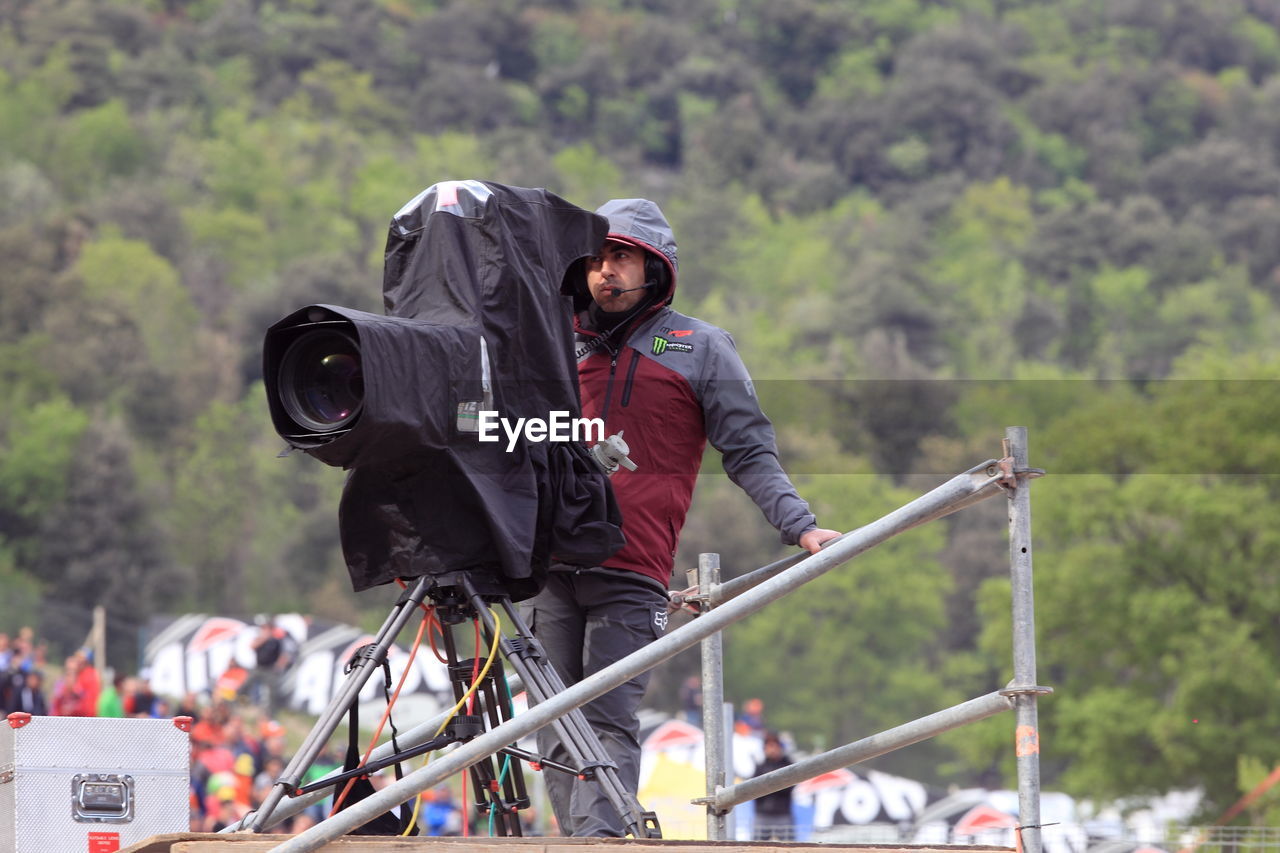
457, 597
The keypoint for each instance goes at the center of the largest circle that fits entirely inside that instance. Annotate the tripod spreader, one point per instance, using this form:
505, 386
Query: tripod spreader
463, 728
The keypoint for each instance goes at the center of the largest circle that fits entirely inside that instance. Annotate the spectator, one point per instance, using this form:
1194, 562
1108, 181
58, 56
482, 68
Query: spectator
139, 701
6, 652
230, 684
773, 811
30, 696
274, 649
66, 699
12, 679
326, 762
215, 764
691, 700
188, 707
273, 743
240, 742
88, 685
39, 654
272, 769
111, 700
753, 715
227, 811
440, 812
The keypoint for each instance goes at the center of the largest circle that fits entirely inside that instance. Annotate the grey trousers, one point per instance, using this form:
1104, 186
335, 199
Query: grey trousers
585, 621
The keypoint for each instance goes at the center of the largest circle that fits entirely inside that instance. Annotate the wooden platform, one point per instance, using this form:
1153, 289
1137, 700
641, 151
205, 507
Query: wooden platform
195, 842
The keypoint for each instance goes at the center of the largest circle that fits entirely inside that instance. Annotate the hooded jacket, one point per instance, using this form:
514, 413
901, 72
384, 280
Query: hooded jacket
671, 383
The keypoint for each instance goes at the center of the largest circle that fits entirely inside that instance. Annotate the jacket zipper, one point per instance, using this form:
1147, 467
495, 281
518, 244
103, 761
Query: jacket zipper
608, 388
631, 375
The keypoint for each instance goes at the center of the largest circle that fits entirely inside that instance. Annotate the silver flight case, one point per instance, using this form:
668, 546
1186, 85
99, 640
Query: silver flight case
91, 784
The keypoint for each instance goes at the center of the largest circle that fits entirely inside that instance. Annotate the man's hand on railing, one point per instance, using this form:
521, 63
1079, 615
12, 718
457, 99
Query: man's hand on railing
813, 540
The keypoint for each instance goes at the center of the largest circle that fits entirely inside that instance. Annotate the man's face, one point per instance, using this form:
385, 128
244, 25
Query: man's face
620, 266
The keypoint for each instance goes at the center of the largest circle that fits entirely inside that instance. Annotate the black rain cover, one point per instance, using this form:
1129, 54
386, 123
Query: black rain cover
487, 260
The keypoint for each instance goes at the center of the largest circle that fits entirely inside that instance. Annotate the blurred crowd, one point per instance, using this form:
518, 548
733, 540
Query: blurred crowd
238, 750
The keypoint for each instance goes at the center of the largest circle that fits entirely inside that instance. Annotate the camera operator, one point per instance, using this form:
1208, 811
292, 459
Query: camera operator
671, 382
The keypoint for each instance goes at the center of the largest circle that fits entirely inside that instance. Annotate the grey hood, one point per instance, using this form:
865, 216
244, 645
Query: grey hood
640, 222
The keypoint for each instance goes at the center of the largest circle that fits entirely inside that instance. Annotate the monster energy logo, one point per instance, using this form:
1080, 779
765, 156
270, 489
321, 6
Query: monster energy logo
661, 345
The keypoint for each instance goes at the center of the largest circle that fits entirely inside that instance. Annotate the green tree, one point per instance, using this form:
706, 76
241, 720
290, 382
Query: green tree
211, 509
39, 440
101, 545
1154, 588
94, 146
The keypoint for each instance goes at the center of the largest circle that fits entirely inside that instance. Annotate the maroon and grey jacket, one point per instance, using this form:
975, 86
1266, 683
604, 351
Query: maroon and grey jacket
671, 382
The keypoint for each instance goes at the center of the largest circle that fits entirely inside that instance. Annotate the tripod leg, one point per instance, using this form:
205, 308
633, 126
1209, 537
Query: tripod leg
337, 708
507, 792
498, 789
499, 711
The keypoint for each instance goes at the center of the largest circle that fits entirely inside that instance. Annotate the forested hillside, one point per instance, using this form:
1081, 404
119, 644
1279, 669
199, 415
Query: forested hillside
922, 220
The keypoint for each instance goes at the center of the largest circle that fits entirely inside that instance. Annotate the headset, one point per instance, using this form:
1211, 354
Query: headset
655, 273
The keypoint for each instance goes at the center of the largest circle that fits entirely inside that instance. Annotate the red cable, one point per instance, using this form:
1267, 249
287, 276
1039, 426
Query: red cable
435, 621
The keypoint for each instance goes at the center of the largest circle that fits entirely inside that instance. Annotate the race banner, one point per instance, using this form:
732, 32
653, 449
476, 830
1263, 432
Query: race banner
216, 655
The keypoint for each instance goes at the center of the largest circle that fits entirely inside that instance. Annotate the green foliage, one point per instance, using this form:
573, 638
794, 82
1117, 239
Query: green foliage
30, 105
95, 145
214, 520
978, 269
1066, 159
22, 592
136, 282
855, 71
586, 175
38, 441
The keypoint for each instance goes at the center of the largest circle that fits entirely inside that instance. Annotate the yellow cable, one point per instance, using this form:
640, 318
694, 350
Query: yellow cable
493, 654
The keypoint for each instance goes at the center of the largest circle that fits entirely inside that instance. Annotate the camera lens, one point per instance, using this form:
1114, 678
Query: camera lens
321, 383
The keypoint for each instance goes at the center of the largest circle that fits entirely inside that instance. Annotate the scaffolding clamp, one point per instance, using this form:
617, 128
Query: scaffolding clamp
710, 803
690, 599
1015, 690
1006, 475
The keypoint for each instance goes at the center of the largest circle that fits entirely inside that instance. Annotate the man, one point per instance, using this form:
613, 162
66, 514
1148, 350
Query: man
773, 821
29, 695
670, 383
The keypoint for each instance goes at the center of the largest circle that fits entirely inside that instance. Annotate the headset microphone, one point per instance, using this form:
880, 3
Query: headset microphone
618, 291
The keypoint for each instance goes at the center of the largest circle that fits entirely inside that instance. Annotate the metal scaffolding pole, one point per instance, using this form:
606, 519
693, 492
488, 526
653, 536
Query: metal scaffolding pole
1023, 688
713, 722
959, 489
861, 750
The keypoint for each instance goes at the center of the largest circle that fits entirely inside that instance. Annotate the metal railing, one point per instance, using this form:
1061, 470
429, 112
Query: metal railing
1008, 475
